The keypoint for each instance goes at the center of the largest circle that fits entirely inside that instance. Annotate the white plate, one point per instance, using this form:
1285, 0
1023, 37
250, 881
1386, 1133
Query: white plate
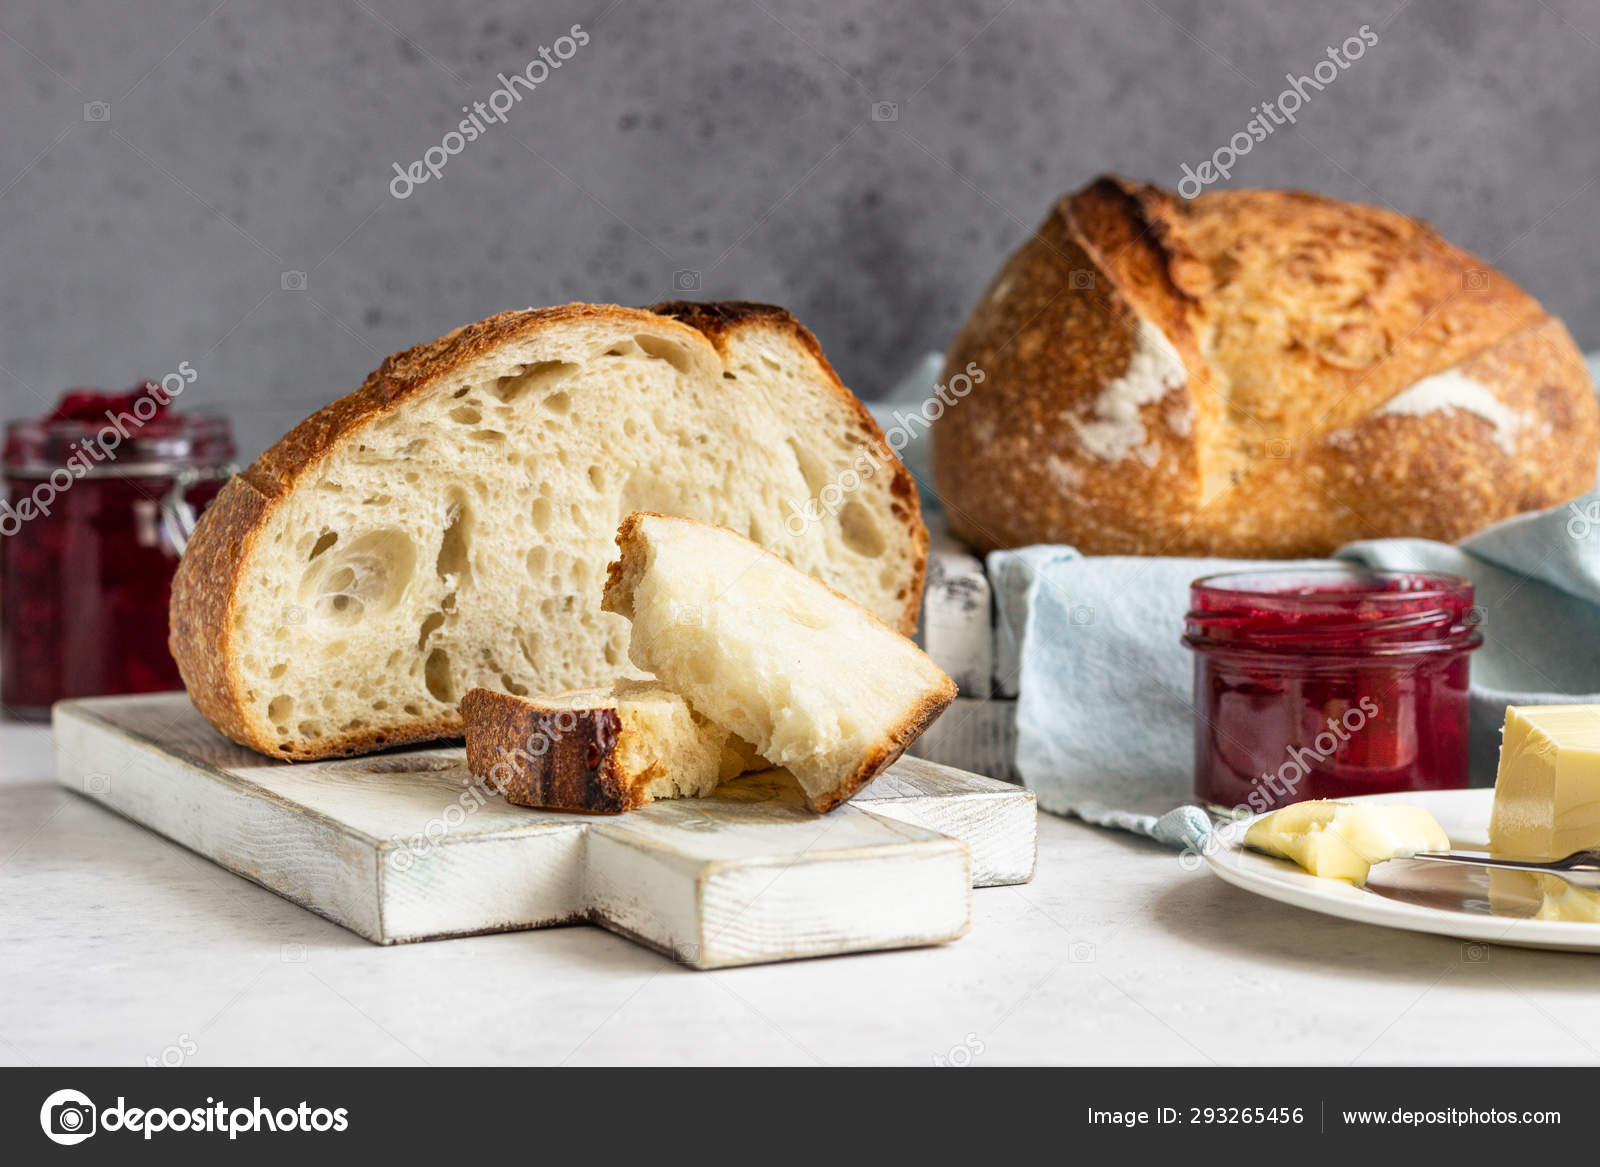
1444, 899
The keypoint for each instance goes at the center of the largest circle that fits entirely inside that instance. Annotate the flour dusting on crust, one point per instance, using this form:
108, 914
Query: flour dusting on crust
1453, 390
1116, 429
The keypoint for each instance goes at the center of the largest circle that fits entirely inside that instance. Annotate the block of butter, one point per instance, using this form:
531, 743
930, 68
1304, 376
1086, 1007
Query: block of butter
1547, 792
1342, 840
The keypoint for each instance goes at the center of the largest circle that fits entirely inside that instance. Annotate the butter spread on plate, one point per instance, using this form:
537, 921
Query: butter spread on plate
1342, 840
1562, 901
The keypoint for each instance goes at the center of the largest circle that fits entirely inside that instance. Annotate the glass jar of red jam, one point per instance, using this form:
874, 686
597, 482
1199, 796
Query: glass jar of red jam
1328, 683
99, 499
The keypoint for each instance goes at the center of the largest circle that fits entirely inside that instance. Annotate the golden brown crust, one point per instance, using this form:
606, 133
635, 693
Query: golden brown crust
895, 742
1297, 319
201, 610
209, 576
547, 757
720, 318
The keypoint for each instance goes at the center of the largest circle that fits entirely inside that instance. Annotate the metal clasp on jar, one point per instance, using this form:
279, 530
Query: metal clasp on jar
178, 517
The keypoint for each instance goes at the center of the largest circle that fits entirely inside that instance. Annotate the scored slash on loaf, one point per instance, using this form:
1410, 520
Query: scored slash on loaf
1254, 373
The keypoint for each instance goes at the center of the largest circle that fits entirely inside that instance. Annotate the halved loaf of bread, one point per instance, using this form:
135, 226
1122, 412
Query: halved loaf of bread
447, 526
601, 750
818, 684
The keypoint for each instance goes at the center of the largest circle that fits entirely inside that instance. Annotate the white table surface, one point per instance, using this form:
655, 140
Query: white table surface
117, 946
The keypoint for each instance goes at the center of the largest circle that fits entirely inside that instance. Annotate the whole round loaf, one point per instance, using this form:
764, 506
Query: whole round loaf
1253, 373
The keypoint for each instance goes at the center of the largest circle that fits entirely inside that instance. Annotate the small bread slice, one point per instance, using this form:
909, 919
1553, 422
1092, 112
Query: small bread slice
604, 750
816, 682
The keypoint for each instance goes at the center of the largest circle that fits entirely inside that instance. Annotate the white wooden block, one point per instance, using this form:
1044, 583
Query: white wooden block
957, 615
986, 814
1009, 588
1007, 657
403, 847
733, 881
974, 735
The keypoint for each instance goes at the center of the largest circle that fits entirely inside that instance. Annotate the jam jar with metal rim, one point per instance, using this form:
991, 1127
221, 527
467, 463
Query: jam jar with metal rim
100, 498
1328, 683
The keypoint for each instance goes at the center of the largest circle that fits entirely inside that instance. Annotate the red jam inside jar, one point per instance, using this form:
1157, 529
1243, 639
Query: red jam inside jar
1328, 683
99, 497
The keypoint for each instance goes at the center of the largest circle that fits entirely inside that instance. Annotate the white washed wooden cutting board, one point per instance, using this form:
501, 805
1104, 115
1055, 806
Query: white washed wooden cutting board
400, 847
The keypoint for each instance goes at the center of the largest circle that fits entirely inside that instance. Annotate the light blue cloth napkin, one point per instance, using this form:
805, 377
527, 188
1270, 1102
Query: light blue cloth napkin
1105, 717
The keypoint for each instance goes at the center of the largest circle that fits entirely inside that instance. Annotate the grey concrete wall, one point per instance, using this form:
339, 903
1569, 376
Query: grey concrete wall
732, 140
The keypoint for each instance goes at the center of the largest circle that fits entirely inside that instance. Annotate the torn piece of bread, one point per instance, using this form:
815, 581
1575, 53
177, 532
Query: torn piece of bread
817, 683
447, 527
601, 750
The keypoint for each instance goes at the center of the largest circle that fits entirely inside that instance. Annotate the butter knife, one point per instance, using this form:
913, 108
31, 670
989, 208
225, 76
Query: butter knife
1581, 868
